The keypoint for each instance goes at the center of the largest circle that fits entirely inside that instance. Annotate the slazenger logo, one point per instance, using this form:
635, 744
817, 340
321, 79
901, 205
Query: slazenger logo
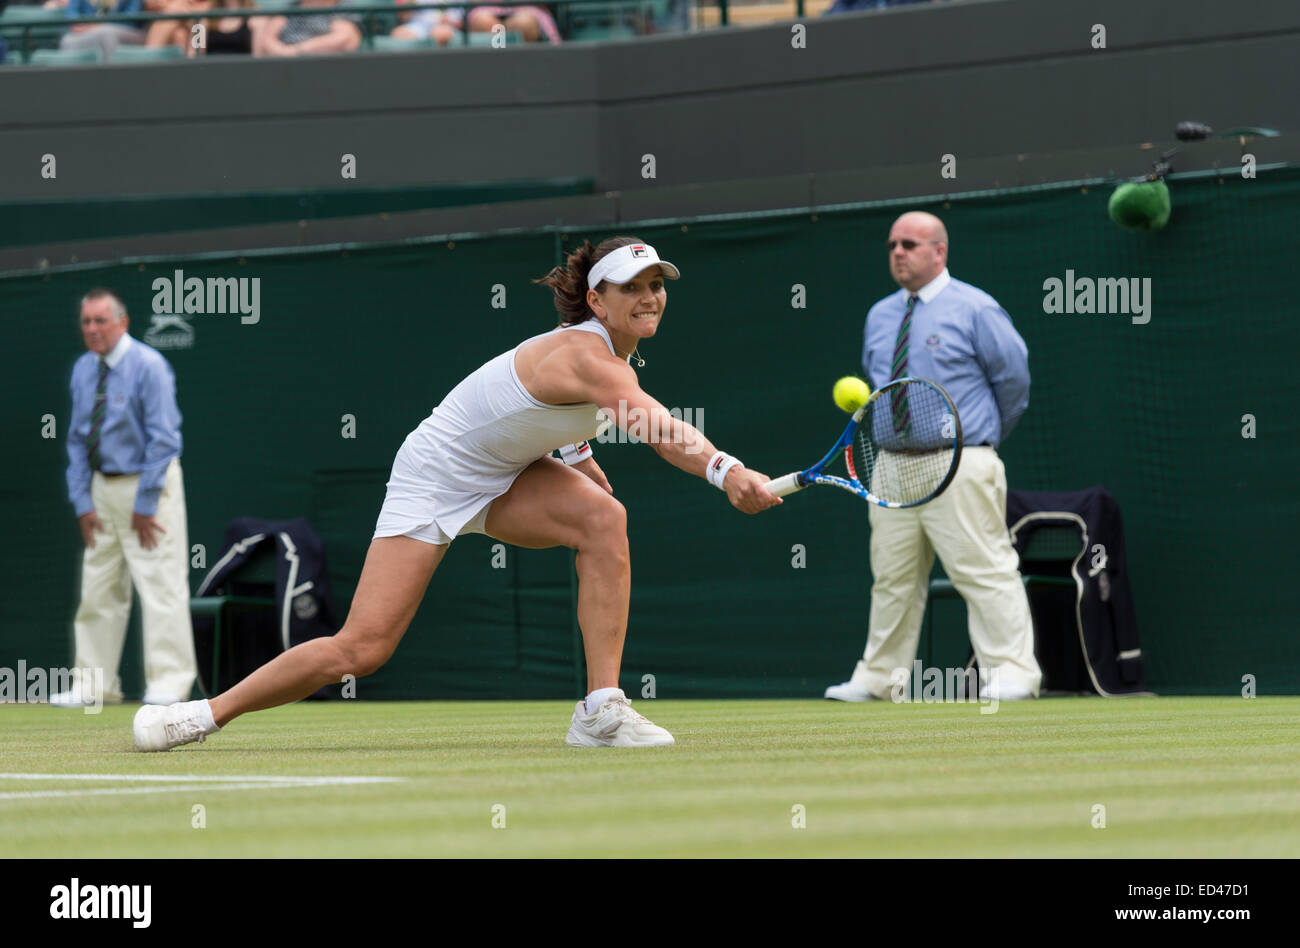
169, 332
103, 901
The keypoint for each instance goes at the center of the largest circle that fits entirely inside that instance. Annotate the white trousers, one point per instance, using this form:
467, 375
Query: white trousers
161, 578
966, 525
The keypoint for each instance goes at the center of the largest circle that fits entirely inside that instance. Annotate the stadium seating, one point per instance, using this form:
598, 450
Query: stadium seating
380, 23
13, 20
599, 22
389, 44
485, 39
65, 57
148, 54
753, 14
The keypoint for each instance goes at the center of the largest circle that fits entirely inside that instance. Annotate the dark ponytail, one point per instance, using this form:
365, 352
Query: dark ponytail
569, 282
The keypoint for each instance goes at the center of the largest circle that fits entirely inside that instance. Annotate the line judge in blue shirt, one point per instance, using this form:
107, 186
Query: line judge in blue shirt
124, 481
948, 331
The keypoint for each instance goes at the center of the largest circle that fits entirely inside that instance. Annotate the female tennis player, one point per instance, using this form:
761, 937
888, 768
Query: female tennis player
481, 463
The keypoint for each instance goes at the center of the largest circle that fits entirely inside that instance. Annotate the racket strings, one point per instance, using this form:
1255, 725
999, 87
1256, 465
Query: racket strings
905, 463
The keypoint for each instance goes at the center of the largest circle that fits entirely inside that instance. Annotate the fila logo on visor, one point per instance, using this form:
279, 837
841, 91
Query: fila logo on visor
638, 250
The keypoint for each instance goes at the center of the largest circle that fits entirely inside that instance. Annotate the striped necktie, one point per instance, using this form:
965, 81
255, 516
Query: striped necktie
902, 418
97, 415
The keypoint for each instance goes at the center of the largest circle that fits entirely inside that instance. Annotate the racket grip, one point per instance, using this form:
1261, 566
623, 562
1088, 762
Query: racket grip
788, 484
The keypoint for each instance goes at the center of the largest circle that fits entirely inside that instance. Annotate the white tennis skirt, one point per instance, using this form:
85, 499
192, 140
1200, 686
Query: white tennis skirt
419, 505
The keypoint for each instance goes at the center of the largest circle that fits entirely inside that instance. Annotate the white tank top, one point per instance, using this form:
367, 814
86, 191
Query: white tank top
489, 428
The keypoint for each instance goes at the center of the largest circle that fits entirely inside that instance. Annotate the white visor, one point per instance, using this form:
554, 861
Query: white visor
626, 262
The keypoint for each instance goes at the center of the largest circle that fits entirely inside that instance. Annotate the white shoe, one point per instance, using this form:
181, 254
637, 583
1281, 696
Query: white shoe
75, 698
998, 691
159, 728
68, 699
849, 691
614, 724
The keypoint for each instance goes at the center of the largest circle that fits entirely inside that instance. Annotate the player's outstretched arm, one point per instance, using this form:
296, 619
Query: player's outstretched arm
614, 387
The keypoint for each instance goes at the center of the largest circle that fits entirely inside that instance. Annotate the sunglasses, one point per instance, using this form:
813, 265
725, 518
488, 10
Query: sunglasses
907, 244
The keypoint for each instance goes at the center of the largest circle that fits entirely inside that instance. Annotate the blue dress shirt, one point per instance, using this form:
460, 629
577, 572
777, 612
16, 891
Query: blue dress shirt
141, 432
962, 339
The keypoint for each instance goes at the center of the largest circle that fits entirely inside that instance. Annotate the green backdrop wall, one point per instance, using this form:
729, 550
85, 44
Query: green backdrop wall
1152, 411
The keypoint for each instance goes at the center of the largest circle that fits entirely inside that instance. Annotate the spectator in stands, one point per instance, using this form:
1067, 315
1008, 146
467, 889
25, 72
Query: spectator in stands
105, 37
531, 22
853, 6
440, 25
676, 18
323, 32
225, 34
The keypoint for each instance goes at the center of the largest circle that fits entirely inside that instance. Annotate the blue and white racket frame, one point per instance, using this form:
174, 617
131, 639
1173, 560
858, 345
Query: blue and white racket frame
798, 480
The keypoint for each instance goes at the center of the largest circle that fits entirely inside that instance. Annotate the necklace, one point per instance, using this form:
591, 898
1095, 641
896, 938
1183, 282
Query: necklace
640, 362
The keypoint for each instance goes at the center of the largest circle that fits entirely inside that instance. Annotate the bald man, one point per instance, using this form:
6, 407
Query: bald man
948, 331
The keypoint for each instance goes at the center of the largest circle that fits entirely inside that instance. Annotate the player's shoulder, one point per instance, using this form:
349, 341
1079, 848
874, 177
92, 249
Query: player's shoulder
585, 345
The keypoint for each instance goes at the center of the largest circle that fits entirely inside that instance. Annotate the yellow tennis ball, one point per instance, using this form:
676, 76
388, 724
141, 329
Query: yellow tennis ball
851, 393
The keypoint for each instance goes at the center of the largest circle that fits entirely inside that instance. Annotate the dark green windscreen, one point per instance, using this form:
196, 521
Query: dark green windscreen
37, 222
1154, 412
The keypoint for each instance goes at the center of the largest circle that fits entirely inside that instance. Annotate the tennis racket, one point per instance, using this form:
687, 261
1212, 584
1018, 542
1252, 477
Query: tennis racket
901, 448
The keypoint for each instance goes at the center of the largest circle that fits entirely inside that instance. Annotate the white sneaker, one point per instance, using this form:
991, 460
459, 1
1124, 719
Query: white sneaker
159, 728
614, 724
849, 691
68, 699
75, 698
998, 691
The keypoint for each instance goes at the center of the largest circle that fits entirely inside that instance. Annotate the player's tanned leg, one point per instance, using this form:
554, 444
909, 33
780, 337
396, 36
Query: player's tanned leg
392, 584
550, 504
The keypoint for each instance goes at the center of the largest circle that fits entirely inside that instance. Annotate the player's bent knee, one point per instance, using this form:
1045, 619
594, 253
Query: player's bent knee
360, 656
605, 524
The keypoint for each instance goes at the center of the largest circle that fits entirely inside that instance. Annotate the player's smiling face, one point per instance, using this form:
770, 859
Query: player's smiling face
634, 308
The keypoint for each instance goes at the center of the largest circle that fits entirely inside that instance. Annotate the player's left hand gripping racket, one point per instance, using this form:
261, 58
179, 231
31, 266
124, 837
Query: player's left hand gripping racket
901, 448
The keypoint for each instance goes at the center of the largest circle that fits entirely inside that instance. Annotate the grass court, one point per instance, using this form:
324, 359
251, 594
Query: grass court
1178, 777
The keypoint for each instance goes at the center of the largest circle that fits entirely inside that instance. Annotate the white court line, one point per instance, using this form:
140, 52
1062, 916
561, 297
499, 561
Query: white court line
169, 784
303, 781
